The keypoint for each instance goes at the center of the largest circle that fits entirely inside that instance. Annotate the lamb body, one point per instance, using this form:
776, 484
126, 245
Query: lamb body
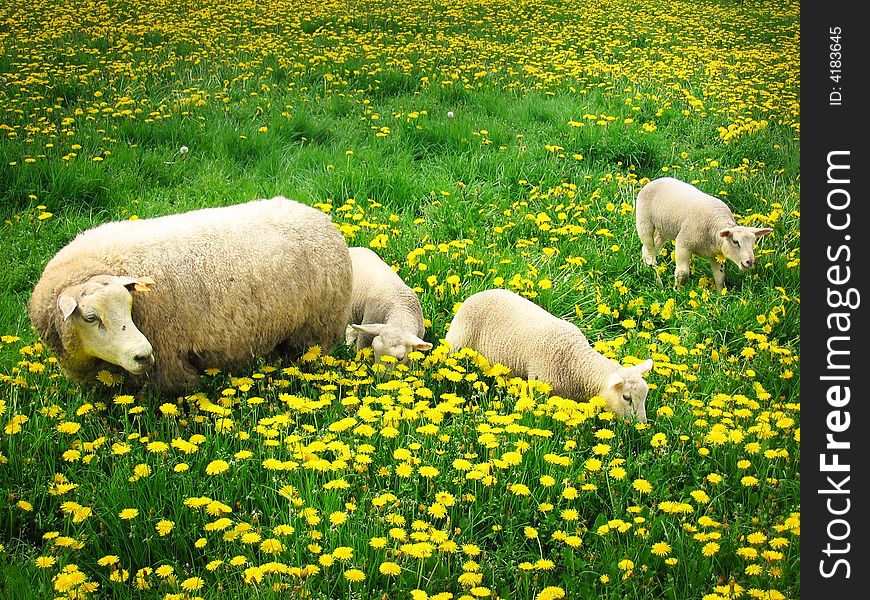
385, 313
164, 298
700, 225
509, 329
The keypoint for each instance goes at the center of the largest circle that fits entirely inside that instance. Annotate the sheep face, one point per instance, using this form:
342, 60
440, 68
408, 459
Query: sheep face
97, 323
392, 341
738, 244
626, 391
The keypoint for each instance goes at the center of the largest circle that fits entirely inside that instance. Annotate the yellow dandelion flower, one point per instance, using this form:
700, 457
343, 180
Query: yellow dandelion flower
165, 571
129, 513
710, 548
164, 527
69, 427
326, 560
312, 354
428, 471
192, 584
661, 548
519, 489
700, 496
272, 546
550, 593
642, 485
45, 562
593, 464
544, 564
569, 514
756, 538
390, 569
169, 409
141, 470
216, 467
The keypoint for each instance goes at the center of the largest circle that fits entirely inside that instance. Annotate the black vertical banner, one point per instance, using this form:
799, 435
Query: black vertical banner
835, 454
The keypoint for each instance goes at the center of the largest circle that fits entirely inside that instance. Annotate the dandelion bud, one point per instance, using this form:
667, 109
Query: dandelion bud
183, 150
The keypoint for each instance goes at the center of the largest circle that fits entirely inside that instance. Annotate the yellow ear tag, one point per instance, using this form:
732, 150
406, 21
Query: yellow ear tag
143, 284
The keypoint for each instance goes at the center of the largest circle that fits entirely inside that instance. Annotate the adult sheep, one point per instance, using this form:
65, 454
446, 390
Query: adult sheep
509, 329
164, 298
385, 313
700, 225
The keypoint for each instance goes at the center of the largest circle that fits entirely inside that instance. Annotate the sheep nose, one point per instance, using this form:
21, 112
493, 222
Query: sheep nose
749, 262
144, 360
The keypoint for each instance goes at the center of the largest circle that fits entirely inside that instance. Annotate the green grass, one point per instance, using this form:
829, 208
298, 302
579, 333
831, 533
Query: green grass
488, 145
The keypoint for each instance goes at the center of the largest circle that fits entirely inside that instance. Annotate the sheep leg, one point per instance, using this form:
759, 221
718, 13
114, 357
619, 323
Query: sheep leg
350, 336
718, 273
652, 243
683, 259
647, 234
182, 376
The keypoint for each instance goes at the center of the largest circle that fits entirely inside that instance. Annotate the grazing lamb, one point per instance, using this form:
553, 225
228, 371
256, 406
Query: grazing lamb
670, 209
164, 298
385, 313
506, 328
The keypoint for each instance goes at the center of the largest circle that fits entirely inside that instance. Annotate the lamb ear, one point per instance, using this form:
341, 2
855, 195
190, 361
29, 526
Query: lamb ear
761, 230
66, 304
615, 380
724, 232
418, 344
643, 367
372, 328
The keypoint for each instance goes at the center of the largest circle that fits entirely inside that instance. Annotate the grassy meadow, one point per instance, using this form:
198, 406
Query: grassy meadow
473, 145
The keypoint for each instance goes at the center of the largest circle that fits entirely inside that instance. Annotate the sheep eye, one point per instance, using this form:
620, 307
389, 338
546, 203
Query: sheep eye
736, 243
627, 399
90, 318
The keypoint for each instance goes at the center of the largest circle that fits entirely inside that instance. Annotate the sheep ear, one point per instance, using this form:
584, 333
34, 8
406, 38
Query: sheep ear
725, 232
643, 367
418, 344
67, 305
615, 381
372, 328
760, 230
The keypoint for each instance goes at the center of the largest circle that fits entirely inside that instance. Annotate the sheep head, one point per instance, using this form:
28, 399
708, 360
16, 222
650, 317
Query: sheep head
626, 390
392, 341
738, 244
96, 322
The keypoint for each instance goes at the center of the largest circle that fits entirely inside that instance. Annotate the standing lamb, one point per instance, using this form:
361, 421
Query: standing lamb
385, 313
506, 328
164, 298
670, 209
